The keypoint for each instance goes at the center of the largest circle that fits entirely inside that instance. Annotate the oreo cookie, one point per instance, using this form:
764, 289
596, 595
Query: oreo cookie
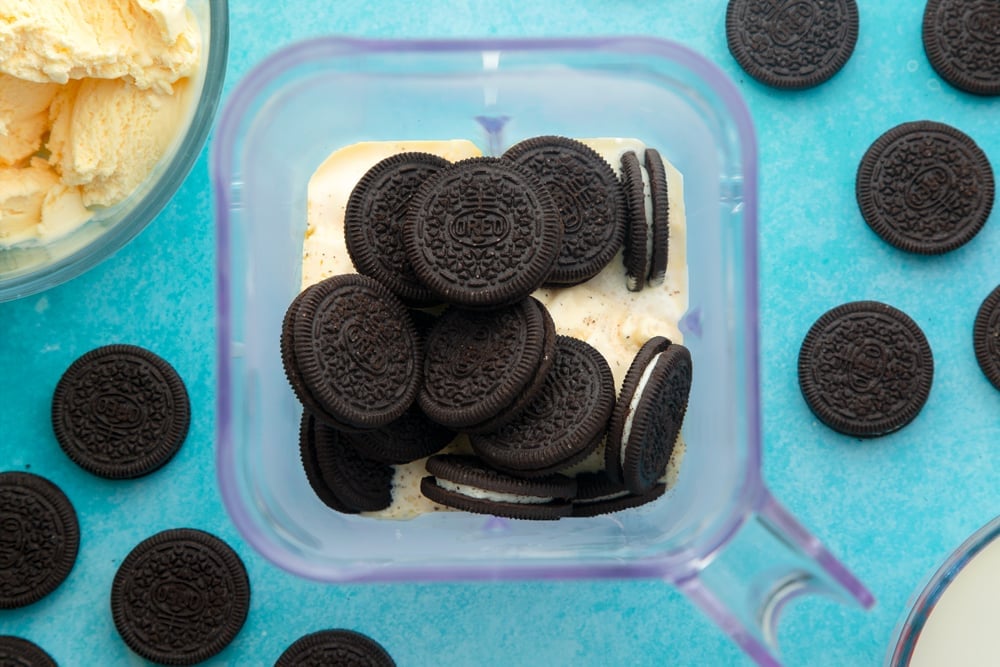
658, 192
637, 234
311, 433
466, 483
413, 436
478, 364
925, 187
18, 652
962, 43
291, 367
483, 233
986, 337
598, 494
39, 538
120, 412
589, 198
791, 45
533, 387
624, 407
327, 648
563, 424
865, 369
338, 473
373, 221
351, 352
359, 483
180, 597
649, 415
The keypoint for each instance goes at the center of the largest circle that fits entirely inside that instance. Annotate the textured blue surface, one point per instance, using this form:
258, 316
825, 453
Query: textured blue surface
891, 509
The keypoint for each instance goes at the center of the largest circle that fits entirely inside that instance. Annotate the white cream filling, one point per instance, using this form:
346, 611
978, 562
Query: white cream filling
493, 496
600, 499
634, 404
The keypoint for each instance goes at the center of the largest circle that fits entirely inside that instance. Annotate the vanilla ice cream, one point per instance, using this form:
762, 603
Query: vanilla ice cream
600, 311
92, 95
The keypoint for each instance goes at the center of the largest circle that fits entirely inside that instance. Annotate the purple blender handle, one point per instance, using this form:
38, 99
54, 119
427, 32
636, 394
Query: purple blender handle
767, 561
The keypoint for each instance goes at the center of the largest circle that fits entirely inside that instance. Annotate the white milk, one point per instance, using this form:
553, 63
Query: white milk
963, 629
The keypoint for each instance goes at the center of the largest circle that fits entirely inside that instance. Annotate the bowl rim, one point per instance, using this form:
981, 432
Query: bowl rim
677, 565
169, 181
922, 604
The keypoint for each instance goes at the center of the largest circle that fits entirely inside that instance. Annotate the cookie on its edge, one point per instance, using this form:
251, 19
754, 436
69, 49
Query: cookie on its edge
39, 536
466, 483
961, 43
637, 232
623, 407
986, 337
865, 369
180, 597
597, 494
361, 484
791, 45
335, 647
649, 415
661, 216
311, 430
120, 412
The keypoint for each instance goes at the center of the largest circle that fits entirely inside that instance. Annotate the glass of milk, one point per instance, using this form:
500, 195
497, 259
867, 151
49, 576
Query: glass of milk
954, 620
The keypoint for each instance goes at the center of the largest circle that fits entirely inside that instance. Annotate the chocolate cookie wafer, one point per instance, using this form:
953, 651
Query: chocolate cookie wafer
18, 652
466, 483
962, 44
352, 352
361, 484
180, 597
637, 232
291, 366
479, 363
120, 412
39, 538
865, 369
563, 424
986, 337
597, 494
589, 198
648, 415
413, 436
660, 223
311, 432
483, 233
791, 45
925, 187
335, 648
373, 221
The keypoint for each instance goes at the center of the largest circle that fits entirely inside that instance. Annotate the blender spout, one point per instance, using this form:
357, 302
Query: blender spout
769, 561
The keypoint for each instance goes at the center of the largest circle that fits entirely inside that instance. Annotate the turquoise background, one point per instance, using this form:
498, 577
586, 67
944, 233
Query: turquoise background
891, 509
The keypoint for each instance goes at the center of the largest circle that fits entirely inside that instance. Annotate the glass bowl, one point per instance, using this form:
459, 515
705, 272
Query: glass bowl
950, 621
718, 535
26, 270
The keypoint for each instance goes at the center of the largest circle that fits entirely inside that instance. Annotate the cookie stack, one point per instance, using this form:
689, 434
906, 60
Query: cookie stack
438, 335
